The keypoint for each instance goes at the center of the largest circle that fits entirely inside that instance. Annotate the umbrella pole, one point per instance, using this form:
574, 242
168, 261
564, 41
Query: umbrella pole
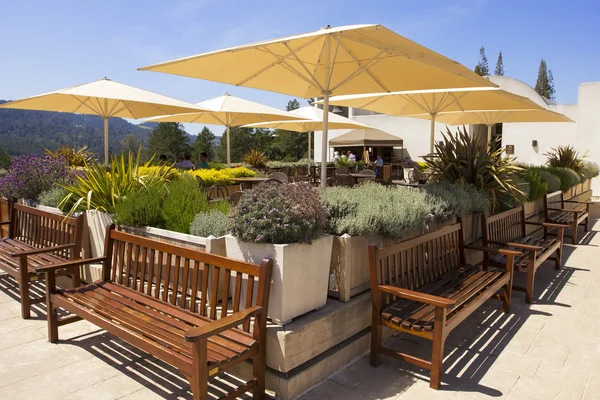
106, 141
432, 133
324, 141
489, 135
228, 148
309, 134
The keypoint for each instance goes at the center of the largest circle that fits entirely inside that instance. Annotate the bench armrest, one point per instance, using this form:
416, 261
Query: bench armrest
223, 324
579, 202
43, 250
505, 252
5, 222
68, 264
417, 296
565, 209
526, 246
553, 225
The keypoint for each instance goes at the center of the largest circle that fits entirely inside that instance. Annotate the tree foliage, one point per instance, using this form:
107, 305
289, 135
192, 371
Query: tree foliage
499, 65
545, 82
482, 67
131, 143
204, 144
168, 138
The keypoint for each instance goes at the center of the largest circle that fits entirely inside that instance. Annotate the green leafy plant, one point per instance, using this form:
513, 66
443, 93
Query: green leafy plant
75, 157
213, 223
459, 198
537, 186
462, 159
182, 203
99, 189
551, 180
568, 177
142, 207
565, 157
590, 170
52, 197
275, 213
256, 158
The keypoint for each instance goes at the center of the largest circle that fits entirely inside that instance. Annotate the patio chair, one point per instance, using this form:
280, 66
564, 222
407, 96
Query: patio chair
201, 183
280, 176
217, 193
301, 174
235, 197
245, 186
343, 180
342, 170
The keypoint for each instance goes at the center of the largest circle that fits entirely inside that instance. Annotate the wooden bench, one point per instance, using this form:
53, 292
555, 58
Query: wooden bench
555, 212
154, 296
424, 287
509, 230
38, 238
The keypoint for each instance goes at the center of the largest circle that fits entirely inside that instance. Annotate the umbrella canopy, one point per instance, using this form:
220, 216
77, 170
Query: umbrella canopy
344, 60
229, 111
492, 117
312, 120
366, 137
107, 99
435, 101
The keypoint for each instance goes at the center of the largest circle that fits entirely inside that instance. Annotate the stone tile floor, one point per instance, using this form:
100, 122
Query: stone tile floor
547, 350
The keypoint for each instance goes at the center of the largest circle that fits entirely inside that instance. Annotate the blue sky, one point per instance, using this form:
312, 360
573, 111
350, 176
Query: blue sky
49, 45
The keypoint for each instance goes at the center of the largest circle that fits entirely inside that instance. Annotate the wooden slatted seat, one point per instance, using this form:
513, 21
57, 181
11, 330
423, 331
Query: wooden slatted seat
424, 287
176, 304
508, 230
36, 239
557, 212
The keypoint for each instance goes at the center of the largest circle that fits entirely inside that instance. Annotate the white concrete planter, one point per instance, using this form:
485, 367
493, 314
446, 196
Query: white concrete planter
53, 210
210, 244
300, 274
96, 223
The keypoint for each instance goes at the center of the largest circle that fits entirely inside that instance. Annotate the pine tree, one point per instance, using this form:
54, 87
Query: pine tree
499, 65
292, 105
241, 143
168, 138
203, 144
545, 82
482, 67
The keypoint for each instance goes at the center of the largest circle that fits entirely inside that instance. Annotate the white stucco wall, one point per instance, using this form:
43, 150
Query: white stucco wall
588, 124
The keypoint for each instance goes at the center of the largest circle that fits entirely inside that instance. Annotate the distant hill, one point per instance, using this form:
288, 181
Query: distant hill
27, 132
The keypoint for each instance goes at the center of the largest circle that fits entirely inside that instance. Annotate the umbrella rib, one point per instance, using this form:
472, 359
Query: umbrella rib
374, 60
112, 111
385, 89
243, 81
416, 103
84, 104
456, 100
303, 65
332, 62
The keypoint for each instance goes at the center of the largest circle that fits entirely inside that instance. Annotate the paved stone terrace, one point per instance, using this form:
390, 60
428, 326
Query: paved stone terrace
544, 351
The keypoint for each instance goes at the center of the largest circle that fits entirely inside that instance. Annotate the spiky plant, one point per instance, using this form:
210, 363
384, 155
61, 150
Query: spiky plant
256, 158
74, 157
462, 159
565, 157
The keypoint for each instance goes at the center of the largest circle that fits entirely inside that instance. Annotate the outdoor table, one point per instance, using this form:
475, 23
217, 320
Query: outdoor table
358, 176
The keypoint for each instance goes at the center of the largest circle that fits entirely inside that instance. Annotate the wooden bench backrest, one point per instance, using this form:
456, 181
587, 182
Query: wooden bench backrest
416, 262
41, 229
553, 200
5, 211
505, 227
184, 277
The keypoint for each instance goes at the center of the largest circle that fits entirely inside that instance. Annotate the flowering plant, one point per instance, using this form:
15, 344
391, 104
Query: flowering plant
30, 175
276, 213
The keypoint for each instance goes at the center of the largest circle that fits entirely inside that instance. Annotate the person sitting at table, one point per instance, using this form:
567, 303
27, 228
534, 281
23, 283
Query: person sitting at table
336, 156
351, 156
203, 164
186, 163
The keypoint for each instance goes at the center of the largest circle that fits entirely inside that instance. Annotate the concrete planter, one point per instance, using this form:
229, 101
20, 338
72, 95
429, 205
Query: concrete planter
533, 208
53, 210
300, 274
210, 244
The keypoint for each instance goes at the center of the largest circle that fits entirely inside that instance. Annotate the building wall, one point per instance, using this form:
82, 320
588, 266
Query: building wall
588, 124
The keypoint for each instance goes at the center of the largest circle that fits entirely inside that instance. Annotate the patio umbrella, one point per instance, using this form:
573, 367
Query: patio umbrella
229, 111
344, 60
107, 99
492, 117
435, 101
311, 120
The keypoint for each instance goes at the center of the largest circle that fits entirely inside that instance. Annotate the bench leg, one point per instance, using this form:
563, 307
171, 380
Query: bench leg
50, 309
375, 341
24, 288
574, 231
437, 352
258, 369
530, 281
200, 370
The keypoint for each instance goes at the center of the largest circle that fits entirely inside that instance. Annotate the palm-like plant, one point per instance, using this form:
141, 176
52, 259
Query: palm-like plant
256, 158
462, 159
99, 189
74, 157
565, 157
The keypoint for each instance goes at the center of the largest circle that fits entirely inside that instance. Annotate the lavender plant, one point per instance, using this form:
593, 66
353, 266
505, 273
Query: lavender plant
30, 175
274, 213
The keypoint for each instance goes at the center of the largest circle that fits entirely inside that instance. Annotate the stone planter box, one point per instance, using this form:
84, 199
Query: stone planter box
533, 208
53, 210
300, 274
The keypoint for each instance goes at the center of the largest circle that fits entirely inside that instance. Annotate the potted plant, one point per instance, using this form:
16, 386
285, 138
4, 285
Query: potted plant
287, 224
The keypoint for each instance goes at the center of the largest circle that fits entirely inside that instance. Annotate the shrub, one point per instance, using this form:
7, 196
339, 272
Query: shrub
458, 198
182, 203
216, 165
213, 223
256, 158
222, 177
142, 207
274, 213
568, 177
150, 171
30, 175
280, 164
551, 180
422, 165
590, 170
463, 159
371, 208
52, 197
565, 157
537, 186
74, 157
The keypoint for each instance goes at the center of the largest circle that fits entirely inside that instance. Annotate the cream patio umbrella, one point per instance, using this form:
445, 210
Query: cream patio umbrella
331, 61
492, 117
311, 120
107, 99
435, 101
229, 111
